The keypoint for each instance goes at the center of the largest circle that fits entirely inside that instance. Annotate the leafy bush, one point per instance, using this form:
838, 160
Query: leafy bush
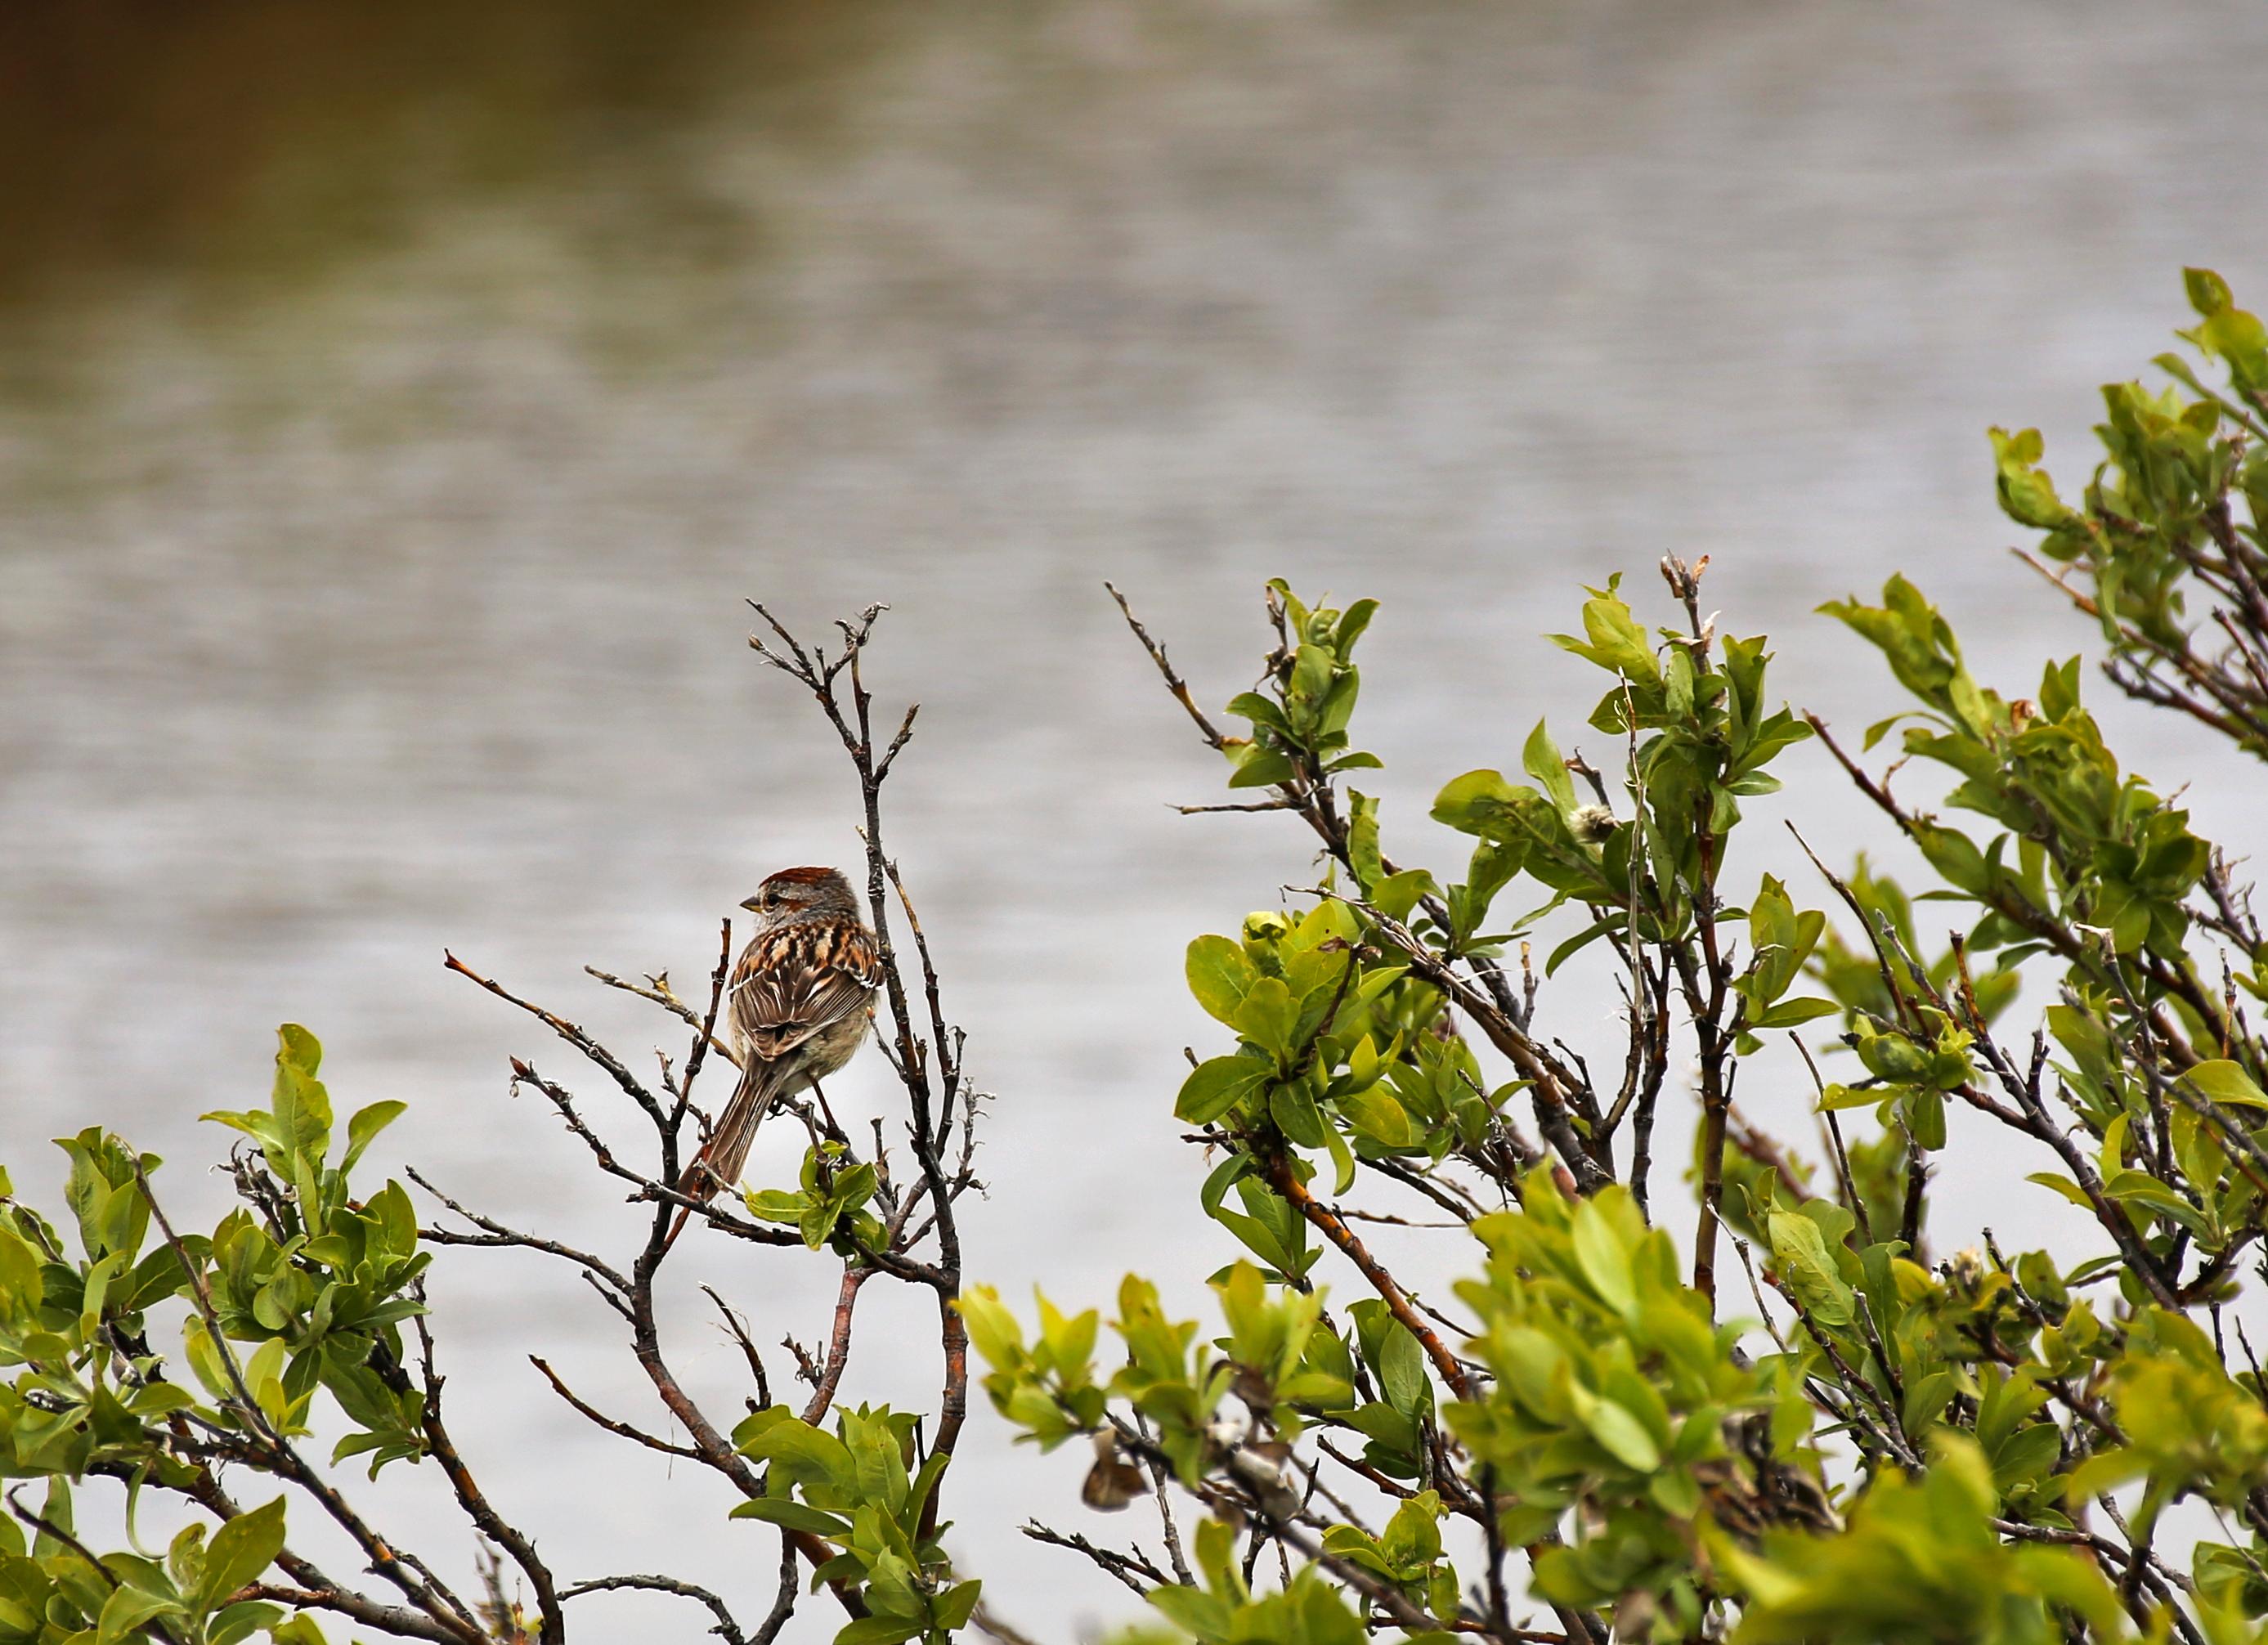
1777, 1410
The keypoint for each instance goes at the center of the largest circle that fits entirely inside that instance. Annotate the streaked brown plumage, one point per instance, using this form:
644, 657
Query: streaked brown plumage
800, 1002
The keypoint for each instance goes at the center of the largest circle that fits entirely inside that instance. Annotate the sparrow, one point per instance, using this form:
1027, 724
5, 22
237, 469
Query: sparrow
800, 1003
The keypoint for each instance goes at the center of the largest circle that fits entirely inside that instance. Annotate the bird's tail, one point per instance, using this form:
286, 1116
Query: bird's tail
717, 1166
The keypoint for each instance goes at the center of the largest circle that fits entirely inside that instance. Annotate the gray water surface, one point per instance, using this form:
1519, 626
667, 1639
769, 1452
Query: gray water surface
360, 603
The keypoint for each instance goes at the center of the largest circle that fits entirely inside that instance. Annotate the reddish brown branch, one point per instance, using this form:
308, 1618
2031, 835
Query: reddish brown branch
838, 1345
1285, 1181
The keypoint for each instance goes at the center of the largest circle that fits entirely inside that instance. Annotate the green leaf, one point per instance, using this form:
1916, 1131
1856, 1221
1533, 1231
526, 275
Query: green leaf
2026, 1455
1260, 710
2063, 1185
1580, 941
2226, 1083
1413, 1536
2102, 1472
1293, 1107
238, 1622
20, 1285
240, 1550
1311, 675
252, 1123
1788, 1013
807, 1455
366, 1125
1362, 840
1266, 1014
1263, 1235
1216, 1085
2207, 291
1376, 980
1378, 1117
126, 1610
774, 1204
1206, 1616
1955, 856
1614, 640
953, 1608
991, 1327
1397, 893
1219, 977
1541, 759
2027, 496
1471, 802
1217, 1181
1342, 1160
301, 1105
793, 1516
881, 1630
1262, 767
1800, 1252
1402, 1371
1622, 1435
1925, 1117
1599, 1253
1352, 622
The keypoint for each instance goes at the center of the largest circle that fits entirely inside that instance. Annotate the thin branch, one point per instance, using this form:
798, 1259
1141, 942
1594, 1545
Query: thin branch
495, 1233
152, 1628
734, 1323
725, 1628
1134, 1569
572, 1034
475, 1502
658, 991
404, 1572
316, 1589
623, 1429
1174, 684
1287, 1183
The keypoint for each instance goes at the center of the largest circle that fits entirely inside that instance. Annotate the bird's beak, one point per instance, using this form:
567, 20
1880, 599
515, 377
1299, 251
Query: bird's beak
752, 906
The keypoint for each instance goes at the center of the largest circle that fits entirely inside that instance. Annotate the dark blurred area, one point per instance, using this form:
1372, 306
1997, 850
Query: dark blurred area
255, 136
397, 401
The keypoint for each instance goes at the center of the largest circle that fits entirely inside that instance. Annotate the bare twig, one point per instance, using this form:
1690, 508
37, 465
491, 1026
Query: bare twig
725, 1628
623, 1429
1134, 1569
573, 1035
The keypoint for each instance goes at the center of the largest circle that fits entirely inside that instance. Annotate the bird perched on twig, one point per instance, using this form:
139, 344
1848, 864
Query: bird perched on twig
800, 1002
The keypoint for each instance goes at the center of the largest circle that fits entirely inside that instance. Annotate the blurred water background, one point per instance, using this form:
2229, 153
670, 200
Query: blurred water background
396, 405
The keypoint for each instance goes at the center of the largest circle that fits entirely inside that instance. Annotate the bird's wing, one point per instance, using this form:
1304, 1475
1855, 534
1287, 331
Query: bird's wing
791, 983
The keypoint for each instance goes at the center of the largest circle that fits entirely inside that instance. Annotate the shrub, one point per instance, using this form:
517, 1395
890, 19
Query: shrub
1777, 1409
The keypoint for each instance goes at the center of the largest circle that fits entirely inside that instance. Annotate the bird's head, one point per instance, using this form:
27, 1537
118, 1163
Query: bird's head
794, 893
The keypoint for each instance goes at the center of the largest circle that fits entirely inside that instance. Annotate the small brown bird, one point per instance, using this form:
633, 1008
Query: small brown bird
800, 1000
